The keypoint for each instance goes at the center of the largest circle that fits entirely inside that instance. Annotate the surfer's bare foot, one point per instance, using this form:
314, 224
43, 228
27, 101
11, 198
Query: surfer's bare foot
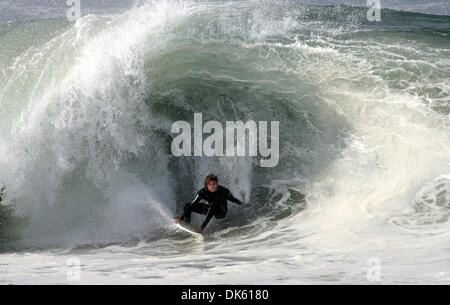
198, 230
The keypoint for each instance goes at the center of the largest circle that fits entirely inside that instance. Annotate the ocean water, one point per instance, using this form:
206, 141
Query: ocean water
361, 194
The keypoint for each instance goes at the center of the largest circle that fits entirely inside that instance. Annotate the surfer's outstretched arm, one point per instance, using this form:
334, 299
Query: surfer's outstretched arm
233, 199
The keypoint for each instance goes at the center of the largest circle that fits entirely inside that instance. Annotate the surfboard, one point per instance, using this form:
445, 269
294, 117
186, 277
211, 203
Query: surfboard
189, 229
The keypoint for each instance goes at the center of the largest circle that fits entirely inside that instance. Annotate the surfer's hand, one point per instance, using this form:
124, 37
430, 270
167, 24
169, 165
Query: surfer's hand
198, 230
177, 221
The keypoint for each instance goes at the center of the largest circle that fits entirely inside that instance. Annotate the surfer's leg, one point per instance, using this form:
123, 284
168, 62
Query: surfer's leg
199, 207
208, 217
187, 212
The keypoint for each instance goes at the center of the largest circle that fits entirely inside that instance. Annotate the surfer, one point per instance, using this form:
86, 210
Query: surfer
216, 196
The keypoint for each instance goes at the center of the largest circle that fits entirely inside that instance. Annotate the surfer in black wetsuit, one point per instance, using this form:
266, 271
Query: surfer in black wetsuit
216, 196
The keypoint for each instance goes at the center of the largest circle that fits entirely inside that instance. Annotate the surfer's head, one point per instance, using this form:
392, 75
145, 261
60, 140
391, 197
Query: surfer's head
212, 182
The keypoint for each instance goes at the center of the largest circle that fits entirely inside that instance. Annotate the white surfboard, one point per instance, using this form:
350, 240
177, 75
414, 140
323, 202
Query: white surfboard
188, 229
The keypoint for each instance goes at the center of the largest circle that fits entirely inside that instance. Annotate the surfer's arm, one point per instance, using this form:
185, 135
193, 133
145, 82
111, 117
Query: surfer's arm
232, 198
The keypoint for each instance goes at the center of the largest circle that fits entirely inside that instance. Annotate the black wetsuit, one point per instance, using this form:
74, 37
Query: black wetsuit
216, 206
